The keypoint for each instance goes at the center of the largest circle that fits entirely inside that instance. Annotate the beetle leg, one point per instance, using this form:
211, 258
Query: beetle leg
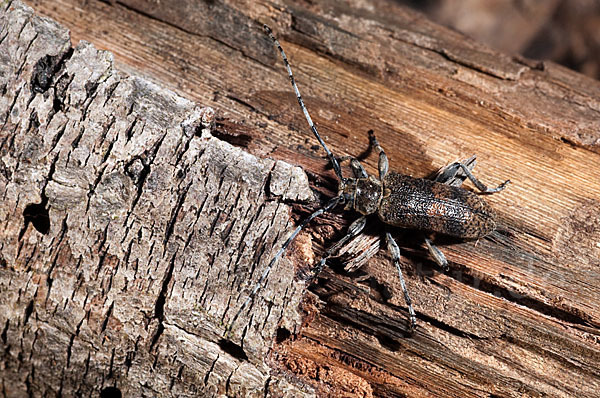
383, 160
330, 205
355, 228
357, 168
453, 174
478, 183
437, 255
395, 251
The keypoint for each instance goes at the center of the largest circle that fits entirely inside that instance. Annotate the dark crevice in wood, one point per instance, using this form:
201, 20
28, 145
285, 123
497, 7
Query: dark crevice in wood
233, 349
159, 307
240, 101
282, 335
37, 215
9, 111
50, 278
232, 133
267, 383
111, 363
28, 312
101, 249
173, 218
20, 70
110, 392
210, 370
107, 317
110, 91
45, 70
159, 331
521, 299
58, 136
78, 137
94, 186
105, 131
3, 335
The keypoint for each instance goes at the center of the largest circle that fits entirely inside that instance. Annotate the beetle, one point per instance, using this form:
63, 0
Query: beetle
438, 205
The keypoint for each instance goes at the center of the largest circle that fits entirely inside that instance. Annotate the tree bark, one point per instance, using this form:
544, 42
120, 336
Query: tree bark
127, 227
133, 231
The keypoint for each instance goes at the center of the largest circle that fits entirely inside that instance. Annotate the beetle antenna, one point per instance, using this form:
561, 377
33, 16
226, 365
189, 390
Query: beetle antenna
334, 162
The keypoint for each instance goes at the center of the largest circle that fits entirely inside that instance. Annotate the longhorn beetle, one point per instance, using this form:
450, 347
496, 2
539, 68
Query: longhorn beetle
399, 201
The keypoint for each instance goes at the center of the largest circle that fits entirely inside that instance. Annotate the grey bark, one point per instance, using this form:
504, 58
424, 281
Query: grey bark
156, 232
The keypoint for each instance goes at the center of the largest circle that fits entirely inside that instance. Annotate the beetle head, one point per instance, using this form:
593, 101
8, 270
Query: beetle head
363, 194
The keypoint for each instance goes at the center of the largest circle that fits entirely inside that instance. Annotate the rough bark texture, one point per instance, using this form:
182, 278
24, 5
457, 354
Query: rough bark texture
125, 233
156, 229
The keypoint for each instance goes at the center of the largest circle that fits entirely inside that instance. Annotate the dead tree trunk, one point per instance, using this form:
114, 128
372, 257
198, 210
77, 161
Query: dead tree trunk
131, 234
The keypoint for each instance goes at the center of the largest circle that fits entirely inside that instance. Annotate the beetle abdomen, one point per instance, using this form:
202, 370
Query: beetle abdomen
432, 206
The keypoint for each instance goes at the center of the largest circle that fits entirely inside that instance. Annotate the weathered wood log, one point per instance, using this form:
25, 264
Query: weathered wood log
125, 232
156, 233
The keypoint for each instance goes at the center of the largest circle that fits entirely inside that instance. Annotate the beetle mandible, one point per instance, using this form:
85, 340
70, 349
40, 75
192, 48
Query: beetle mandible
438, 205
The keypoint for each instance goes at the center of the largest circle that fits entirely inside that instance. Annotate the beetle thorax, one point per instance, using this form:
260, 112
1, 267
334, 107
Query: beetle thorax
364, 194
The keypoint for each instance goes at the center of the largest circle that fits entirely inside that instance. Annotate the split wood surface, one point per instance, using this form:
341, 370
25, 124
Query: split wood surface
161, 215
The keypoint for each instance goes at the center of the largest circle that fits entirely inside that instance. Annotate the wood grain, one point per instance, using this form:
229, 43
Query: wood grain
518, 313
